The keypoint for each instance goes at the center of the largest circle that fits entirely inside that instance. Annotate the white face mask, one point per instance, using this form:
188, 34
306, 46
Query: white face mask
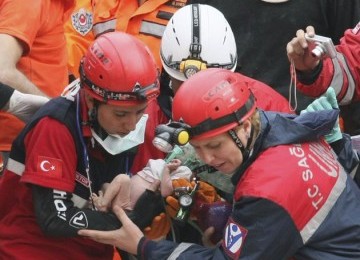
115, 144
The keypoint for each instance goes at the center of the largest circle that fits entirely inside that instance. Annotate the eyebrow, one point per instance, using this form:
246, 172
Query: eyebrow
129, 112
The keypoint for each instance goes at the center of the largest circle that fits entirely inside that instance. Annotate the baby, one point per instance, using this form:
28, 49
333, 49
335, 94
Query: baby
125, 191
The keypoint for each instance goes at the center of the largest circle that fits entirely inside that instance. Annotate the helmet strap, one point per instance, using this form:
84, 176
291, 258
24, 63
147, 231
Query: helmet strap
245, 151
94, 123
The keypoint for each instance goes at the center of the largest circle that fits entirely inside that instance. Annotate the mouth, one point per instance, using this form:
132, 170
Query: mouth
218, 166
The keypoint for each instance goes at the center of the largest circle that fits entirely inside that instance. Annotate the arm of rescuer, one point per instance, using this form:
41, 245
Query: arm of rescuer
316, 74
54, 202
340, 142
19, 104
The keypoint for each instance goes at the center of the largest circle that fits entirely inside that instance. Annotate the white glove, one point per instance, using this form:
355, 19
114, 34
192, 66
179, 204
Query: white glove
24, 106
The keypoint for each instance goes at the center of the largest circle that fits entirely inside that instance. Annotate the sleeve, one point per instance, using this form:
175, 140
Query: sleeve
5, 94
252, 232
263, 225
51, 158
342, 73
13, 23
347, 156
57, 216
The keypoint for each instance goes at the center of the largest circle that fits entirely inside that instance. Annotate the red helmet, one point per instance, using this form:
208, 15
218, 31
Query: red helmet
212, 102
119, 69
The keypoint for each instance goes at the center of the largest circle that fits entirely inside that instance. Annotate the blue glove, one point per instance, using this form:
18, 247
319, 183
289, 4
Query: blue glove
327, 101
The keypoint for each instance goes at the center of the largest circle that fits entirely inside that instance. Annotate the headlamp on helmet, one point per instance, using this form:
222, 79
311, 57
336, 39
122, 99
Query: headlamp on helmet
167, 136
197, 37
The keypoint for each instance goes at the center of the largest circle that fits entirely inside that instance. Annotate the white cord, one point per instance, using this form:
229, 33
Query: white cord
292, 86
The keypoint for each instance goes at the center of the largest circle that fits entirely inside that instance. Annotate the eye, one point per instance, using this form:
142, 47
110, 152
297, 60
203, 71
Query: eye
214, 145
120, 114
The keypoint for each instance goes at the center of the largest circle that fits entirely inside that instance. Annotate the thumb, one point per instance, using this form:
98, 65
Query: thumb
331, 97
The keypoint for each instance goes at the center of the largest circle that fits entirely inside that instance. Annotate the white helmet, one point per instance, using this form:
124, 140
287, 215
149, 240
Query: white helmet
197, 37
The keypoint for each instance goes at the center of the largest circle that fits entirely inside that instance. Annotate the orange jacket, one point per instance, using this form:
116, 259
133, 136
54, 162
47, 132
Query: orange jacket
44, 59
147, 22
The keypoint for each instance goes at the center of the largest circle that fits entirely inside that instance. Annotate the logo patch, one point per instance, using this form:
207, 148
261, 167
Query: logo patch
82, 21
49, 166
234, 239
79, 220
356, 29
178, 3
82, 179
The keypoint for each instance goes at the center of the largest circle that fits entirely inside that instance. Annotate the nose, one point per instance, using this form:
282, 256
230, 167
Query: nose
130, 123
206, 156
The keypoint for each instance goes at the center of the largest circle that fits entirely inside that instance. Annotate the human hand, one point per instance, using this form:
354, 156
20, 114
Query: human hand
126, 238
159, 227
299, 53
206, 237
204, 194
98, 201
24, 106
327, 101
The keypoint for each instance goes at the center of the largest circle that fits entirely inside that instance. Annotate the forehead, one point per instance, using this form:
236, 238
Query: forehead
203, 142
127, 109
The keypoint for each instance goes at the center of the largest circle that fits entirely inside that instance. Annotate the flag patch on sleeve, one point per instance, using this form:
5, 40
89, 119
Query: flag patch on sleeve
49, 166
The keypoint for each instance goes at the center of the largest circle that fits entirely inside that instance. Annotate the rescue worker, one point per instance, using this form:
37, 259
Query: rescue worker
188, 45
292, 199
316, 74
71, 147
32, 55
145, 20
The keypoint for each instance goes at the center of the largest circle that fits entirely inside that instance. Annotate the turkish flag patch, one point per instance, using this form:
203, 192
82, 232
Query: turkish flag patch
49, 166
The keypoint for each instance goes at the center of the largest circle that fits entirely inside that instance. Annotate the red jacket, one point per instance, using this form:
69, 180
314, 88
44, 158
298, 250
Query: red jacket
342, 73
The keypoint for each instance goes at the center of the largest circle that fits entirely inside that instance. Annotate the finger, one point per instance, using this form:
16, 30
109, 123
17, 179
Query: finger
325, 104
331, 96
206, 238
310, 30
300, 37
172, 202
317, 105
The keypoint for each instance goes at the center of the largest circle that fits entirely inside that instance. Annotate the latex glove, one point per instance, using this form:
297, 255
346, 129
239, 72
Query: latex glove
327, 101
172, 204
159, 227
205, 194
24, 106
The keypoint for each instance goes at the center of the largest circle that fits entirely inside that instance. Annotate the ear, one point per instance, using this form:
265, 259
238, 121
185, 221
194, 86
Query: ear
247, 127
89, 100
